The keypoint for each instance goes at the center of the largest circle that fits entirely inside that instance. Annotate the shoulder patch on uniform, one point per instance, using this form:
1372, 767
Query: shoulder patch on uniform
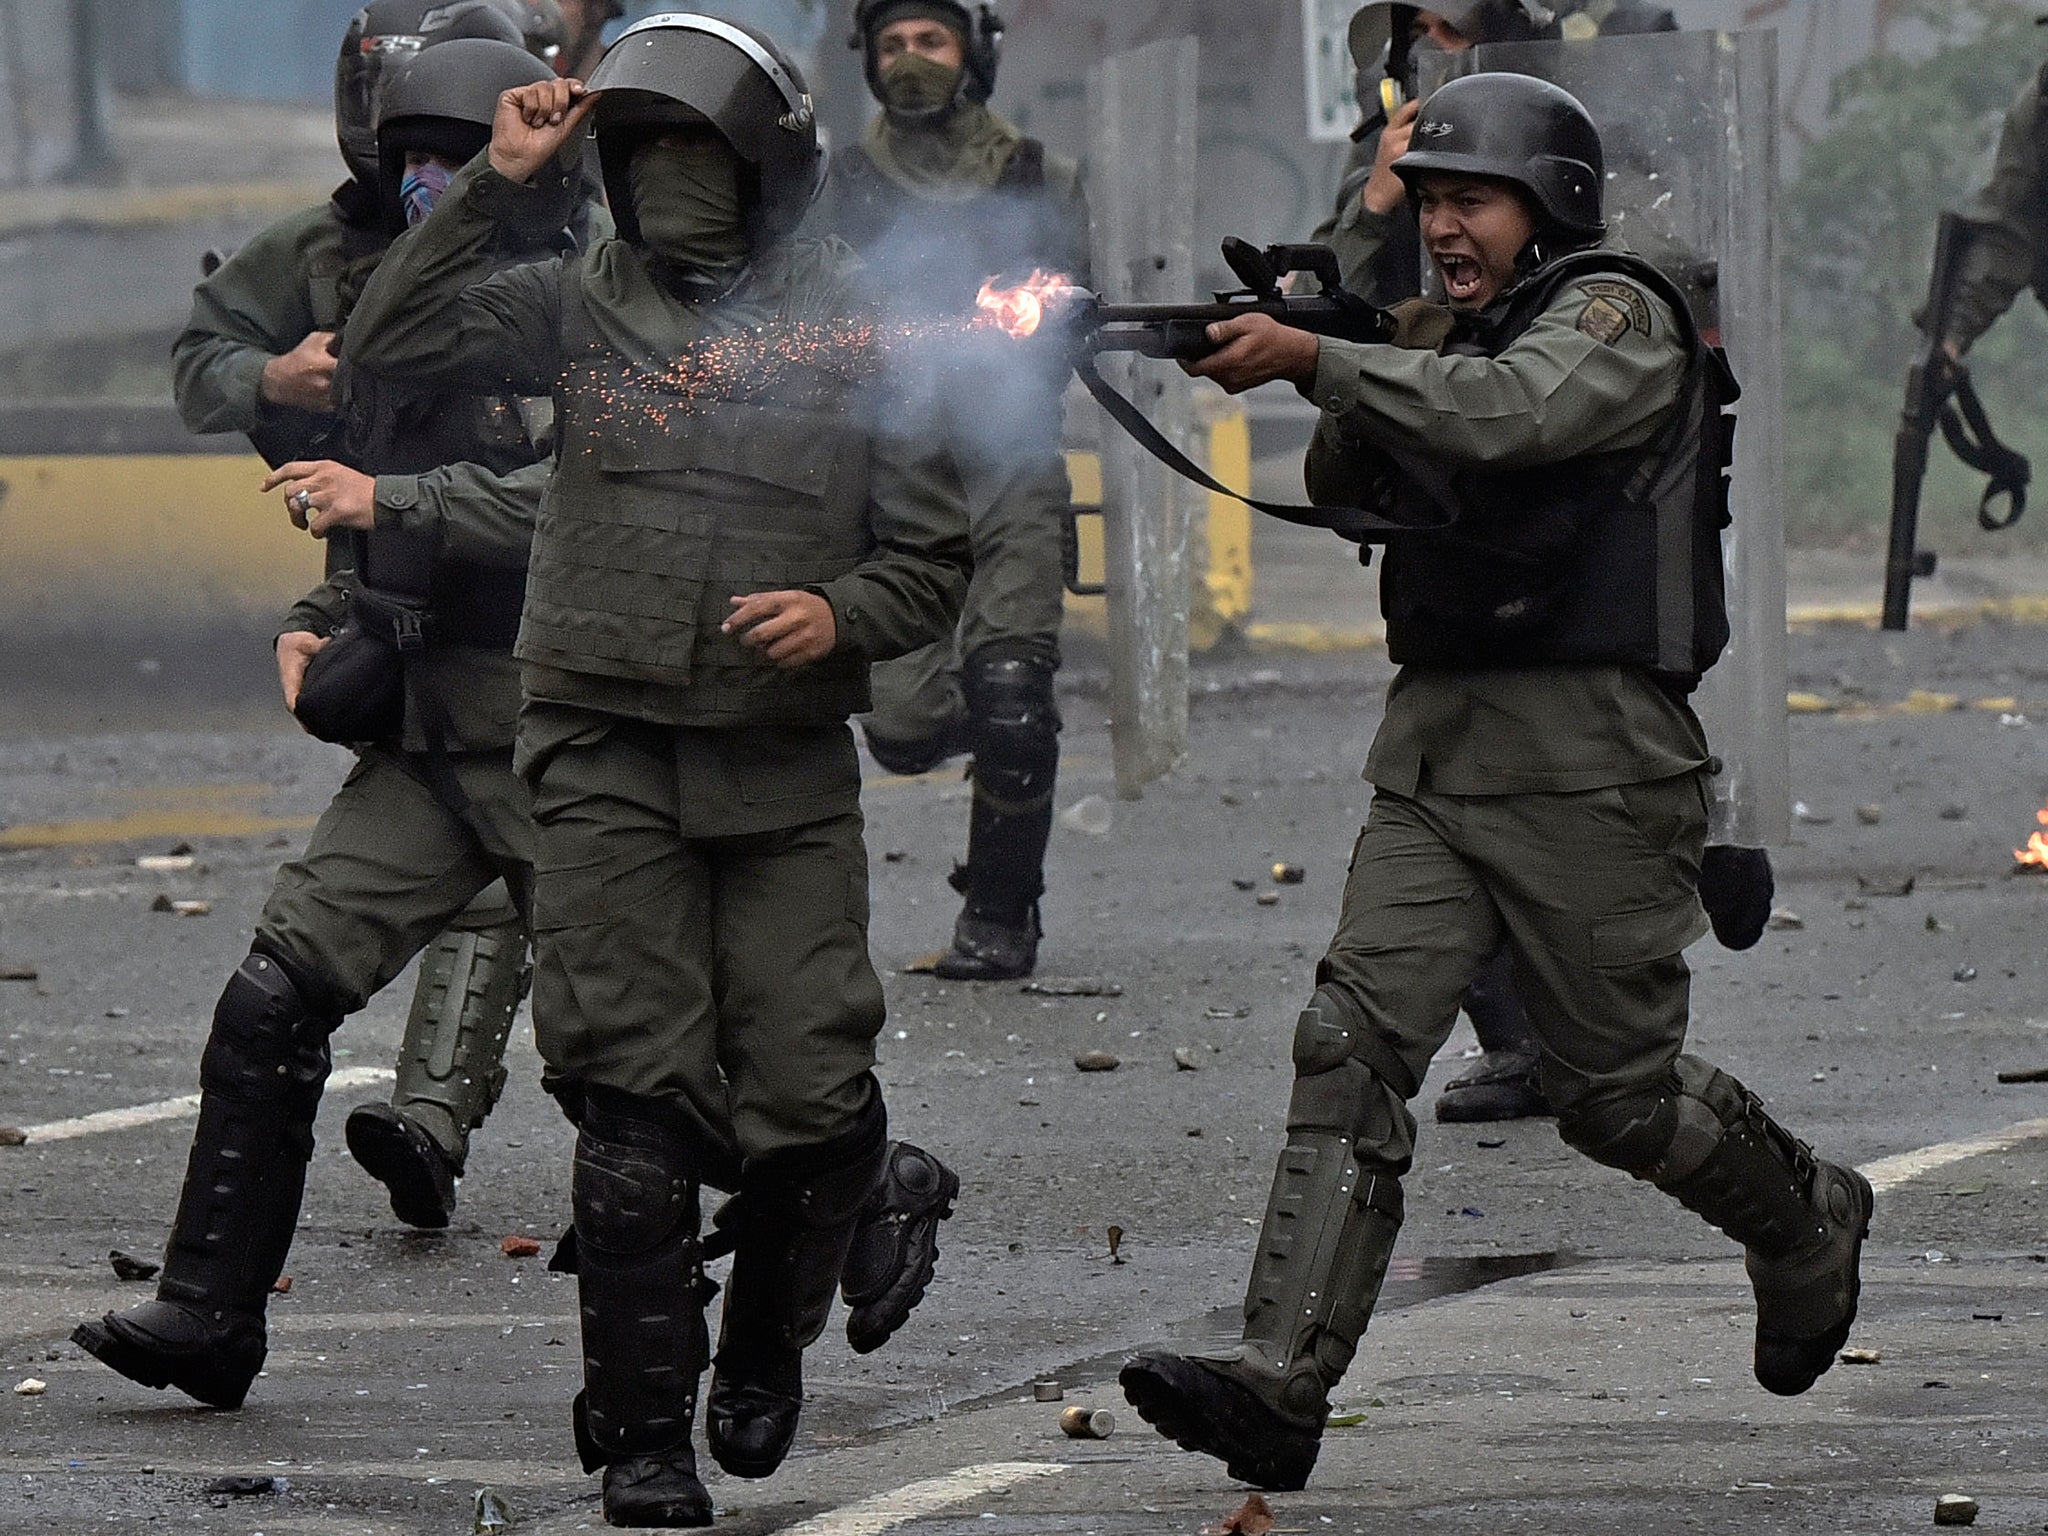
1610, 299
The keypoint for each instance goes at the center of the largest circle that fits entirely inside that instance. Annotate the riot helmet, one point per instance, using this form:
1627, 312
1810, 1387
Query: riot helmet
384, 32
1519, 129
442, 100
542, 26
1373, 26
981, 38
682, 70
1615, 18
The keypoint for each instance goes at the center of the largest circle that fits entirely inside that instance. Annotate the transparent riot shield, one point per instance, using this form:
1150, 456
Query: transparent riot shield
1689, 121
1142, 109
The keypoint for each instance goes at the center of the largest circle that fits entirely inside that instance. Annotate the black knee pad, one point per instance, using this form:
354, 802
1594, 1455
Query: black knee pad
266, 1044
909, 758
632, 1189
1013, 721
1344, 1075
1630, 1128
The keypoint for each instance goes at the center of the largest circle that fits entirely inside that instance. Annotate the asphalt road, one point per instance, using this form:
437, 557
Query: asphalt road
1603, 1383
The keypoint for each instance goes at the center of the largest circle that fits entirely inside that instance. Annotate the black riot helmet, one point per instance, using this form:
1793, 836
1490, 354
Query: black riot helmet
1520, 129
981, 36
682, 70
385, 32
442, 100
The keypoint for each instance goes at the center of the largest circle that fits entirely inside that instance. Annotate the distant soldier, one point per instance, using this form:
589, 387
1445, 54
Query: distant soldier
2010, 253
940, 196
1555, 445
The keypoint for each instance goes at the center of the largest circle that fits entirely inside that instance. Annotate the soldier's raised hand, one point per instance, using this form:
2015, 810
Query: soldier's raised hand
534, 122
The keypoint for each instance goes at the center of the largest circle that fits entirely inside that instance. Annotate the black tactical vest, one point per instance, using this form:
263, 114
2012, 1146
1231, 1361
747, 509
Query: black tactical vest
938, 254
1612, 557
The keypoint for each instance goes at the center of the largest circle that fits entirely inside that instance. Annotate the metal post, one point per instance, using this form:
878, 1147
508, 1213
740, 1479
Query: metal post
94, 159
1142, 135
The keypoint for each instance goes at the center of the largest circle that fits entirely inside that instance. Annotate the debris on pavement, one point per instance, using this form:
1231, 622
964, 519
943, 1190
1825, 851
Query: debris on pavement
13, 1136
1213, 1012
31, 1386
1047, 1391
1861, 1356
1268, 898
1966, 973
128, 1267
1091, 815
1955, 1509
165, 863
1289, 874
923, 965
2024, 1075
1254, 1517
282, 1286
1955, 813
1096, 1061
1184, 1060
1116, 1238
1073, 986
1936, 925
1870, 815
1785, 918
1886, 885
518, 1246
1080, 1423
190, 908
18, 972
1243, 884
244, 1486
1801, 811
490, 1514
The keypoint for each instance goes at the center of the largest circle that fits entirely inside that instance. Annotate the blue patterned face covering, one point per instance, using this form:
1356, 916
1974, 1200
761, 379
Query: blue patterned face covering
421, 189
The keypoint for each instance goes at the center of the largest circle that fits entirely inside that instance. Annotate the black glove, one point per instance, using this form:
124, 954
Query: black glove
1736, 889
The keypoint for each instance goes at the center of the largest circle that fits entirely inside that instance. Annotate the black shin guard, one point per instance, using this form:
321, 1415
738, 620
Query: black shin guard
265, 1063
800, 1210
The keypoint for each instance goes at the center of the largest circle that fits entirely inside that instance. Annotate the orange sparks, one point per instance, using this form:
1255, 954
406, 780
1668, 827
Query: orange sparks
1020, 311
2035, 854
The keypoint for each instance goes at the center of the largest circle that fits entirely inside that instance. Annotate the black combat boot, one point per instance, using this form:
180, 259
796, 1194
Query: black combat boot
895, 1246
451, 1064
260, 1080
1800, 1220
642, 1291
1014, 725
1322, 1257
1506, 1083
800, 1209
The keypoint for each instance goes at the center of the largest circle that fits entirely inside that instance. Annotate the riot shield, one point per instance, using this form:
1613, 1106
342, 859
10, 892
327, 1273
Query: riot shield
1689, 121
1142, 108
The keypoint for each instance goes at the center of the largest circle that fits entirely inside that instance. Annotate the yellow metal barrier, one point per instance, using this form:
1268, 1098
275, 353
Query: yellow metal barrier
166, 540
1221, 552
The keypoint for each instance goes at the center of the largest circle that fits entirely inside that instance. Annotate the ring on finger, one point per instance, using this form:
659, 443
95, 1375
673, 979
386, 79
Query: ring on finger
301, 502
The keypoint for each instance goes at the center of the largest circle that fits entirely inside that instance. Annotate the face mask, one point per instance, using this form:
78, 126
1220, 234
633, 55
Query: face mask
421, 189
686, 195
917, 84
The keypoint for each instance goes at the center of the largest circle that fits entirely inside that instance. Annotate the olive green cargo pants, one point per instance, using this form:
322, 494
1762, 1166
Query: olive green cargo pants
1596, 892
388, 866
701, 917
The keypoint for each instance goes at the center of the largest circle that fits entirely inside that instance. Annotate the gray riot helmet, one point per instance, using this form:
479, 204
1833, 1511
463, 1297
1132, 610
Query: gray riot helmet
981, 37
442, 100
1518, 129
1615, 18
385, 32
1482, 21
542, 27
682, 70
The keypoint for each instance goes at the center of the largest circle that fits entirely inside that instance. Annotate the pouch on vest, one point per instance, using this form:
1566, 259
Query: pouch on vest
354, 689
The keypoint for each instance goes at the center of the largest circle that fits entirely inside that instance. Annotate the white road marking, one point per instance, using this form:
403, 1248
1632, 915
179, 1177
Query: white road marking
183, 1107
886, 1511
1890, 1172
